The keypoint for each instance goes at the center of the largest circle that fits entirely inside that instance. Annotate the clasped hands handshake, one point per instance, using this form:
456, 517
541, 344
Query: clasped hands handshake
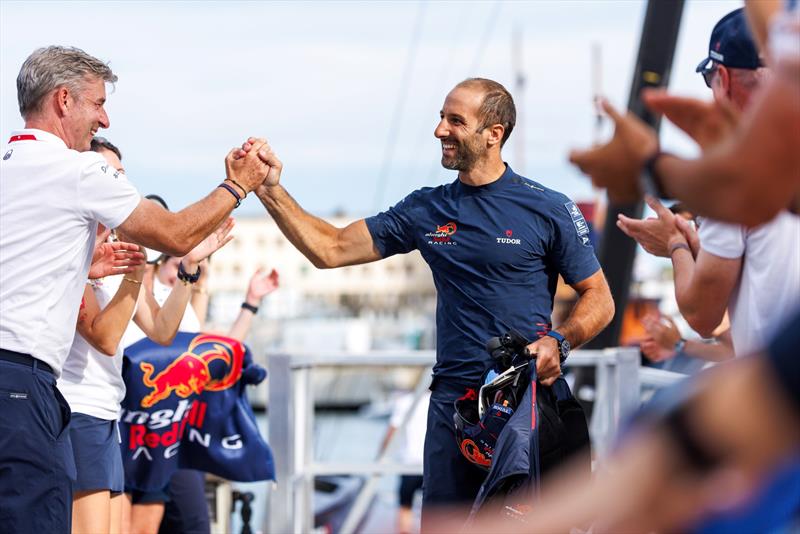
254, 165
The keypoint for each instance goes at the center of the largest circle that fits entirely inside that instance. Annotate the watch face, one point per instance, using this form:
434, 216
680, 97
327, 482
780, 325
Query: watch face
565, 348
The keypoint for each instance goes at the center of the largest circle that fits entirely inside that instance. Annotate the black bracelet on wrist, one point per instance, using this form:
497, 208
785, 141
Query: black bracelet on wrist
246, 306
651, 180
233, 192
237, 184
183, 276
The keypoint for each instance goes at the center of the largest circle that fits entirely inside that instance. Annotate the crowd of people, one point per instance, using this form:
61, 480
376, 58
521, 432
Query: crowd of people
76, 289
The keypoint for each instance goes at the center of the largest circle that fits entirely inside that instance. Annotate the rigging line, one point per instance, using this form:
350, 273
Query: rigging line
394, 124
487, 31
444, 73
476, 61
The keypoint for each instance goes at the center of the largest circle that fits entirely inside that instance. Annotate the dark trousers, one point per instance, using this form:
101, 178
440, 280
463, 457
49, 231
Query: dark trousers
37, 467
448, 478
187, 510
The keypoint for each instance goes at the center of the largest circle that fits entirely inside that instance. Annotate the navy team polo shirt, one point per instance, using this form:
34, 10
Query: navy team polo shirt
495, 252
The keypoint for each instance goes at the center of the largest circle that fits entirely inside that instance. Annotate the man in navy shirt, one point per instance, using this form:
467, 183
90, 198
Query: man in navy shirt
496, 243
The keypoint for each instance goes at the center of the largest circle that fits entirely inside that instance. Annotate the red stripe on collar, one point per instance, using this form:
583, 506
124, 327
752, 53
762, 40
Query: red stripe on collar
22, 137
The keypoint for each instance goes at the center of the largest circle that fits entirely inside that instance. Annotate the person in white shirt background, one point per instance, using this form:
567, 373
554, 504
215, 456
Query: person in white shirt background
754, 273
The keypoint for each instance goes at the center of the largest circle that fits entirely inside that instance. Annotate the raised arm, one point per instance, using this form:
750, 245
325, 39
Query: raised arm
261, 285
178, 233
325, 245
103, 328
161, 323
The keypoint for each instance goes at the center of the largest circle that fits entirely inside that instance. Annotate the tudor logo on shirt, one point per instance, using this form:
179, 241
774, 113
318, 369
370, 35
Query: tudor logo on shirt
508, 239
442, 235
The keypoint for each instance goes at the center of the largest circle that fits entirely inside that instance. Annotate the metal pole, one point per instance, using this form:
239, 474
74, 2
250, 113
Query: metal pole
362, 502
303, 409
653, 65
281, 429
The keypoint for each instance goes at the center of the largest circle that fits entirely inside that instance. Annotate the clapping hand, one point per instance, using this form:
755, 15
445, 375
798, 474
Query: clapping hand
655, 235
617, 164
663, 336
261, 285
114, 258
215, 241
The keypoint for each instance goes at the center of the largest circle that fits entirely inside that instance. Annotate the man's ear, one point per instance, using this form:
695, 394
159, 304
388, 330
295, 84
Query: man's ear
496, 132
724, 79
63, 100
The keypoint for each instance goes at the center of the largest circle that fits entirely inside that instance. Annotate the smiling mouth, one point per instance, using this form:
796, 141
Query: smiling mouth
448, 147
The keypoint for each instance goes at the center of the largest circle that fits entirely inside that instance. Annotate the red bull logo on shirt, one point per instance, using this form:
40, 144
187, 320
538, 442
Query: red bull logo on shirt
190, 373
442, 235
447, 229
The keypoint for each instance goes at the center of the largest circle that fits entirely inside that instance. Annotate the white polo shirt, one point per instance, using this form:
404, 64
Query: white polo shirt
769, 285
51, 198
90, 380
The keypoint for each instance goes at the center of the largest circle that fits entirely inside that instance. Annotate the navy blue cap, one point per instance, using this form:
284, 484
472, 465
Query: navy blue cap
731, 44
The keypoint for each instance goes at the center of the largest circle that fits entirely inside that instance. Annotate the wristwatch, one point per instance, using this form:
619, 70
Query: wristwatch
563, 345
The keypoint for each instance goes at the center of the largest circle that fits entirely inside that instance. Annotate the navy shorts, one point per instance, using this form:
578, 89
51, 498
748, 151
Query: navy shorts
95, 443
36, 462
448, 477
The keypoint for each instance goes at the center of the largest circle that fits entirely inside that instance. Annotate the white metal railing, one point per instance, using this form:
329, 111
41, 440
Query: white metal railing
618, 382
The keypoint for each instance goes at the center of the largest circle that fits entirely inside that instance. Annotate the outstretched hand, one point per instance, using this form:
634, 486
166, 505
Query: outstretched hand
215, 241
261, 285
617, 164
708, 123
115, 258
655, 235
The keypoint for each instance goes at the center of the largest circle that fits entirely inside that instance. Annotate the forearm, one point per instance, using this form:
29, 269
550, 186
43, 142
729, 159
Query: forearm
168, 319
107, 328
593, 312
241, 326
178, 233
693, 305
759, 13
747, 388
315, 238
199, 303
728, 183
710, 352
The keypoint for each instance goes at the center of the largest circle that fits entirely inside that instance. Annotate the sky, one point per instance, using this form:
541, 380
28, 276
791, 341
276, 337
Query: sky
347, 93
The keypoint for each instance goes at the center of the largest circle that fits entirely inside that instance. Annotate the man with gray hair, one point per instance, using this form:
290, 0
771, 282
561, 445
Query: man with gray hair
52, 196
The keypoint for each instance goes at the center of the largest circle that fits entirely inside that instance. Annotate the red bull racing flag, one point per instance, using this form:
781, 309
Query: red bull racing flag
186, 408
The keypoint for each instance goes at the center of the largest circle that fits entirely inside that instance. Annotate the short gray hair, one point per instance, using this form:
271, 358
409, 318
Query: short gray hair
48, 68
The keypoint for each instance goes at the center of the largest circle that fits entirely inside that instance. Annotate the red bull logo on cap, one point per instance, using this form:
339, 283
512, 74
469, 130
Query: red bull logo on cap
190, 373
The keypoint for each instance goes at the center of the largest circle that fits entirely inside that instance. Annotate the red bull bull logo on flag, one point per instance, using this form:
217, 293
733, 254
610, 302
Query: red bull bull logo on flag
189, 373
186, 407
